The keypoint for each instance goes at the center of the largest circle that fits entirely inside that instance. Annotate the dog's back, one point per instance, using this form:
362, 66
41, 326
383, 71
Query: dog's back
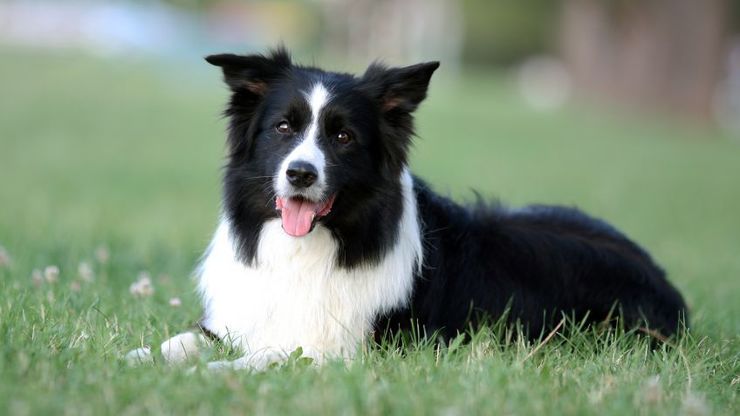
535, 264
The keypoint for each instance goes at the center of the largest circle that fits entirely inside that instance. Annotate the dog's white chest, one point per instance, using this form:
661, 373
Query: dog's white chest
296, 296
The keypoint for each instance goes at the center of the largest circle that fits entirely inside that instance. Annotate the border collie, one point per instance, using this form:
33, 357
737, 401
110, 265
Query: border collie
326, 237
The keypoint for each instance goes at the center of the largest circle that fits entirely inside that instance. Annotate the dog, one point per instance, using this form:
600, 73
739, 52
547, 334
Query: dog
326, 239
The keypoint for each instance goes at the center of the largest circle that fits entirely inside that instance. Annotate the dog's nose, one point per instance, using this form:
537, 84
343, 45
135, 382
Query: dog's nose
301, 174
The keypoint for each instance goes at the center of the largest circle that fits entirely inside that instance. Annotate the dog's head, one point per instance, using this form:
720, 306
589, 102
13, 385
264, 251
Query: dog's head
309, 145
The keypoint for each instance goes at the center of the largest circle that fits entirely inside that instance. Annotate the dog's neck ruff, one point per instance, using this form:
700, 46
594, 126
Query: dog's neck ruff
295, 295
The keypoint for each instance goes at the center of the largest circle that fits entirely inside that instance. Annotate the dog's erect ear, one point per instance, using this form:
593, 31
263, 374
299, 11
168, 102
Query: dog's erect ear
252, 73
399, 88
397, 92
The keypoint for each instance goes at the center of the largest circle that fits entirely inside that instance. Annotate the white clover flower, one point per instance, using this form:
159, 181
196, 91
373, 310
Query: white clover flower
142, 287
652, 391
4, 257
85, 270
51, 273
694, 405
37, 277
175, 302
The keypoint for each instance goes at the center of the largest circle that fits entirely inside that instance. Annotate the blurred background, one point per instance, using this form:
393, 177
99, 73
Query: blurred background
110, 127
675, 56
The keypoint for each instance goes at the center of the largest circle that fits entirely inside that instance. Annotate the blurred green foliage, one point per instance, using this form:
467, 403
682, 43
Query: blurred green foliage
504, 31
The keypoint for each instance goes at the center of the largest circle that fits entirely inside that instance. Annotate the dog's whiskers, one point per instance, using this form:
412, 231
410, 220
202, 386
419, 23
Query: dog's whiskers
251, 178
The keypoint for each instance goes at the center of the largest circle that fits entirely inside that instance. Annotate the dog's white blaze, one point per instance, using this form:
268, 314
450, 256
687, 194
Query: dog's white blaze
295, 296
308, 148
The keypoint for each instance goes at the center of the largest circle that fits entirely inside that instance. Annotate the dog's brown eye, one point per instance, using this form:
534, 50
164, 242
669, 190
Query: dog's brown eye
283, 127
343, 137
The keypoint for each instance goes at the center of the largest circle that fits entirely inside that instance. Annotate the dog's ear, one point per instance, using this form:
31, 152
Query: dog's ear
399, 88
249, 78
252, 73
397, 92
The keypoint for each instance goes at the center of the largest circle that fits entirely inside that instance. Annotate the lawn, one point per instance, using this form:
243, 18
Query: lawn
116, 165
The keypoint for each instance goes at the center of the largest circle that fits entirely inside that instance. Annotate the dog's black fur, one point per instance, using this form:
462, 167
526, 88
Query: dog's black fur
541, 261
533, 265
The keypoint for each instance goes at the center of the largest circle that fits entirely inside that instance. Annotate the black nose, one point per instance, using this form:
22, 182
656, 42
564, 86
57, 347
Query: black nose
301, 174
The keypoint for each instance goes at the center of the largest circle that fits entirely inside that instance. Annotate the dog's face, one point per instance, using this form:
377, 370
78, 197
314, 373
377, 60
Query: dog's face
309, 145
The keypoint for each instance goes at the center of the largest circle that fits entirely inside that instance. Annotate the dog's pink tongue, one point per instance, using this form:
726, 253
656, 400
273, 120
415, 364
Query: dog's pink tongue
297, 215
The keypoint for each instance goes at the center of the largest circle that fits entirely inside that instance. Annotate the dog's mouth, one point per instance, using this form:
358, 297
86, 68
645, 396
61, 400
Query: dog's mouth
299, 215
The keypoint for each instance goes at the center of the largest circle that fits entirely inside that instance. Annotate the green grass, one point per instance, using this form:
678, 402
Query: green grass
127, 155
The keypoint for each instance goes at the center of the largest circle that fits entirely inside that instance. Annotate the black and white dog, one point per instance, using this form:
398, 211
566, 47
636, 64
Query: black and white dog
327, 238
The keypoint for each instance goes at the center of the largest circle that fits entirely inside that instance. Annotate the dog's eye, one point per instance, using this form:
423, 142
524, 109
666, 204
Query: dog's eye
283, 127
344, 137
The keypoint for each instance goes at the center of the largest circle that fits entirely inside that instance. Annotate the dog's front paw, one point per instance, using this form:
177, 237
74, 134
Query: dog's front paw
223, 365
138, 356
182, 347
257, 361
242, 363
